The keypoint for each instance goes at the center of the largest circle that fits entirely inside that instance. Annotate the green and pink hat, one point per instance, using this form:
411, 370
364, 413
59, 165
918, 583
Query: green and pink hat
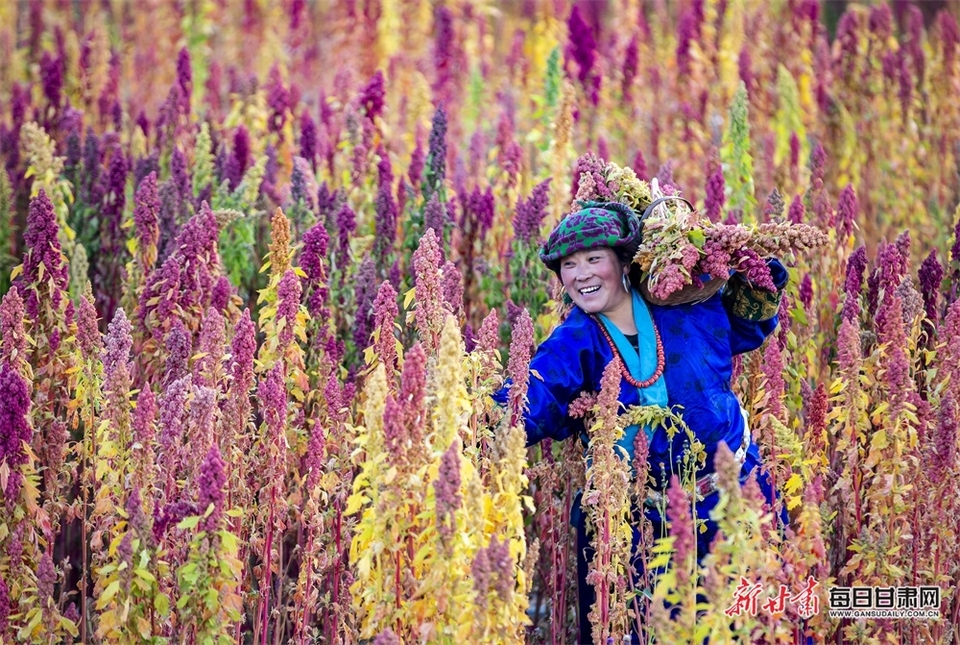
597, 225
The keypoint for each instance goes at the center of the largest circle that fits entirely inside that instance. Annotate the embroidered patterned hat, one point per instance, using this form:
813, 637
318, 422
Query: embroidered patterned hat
598, 224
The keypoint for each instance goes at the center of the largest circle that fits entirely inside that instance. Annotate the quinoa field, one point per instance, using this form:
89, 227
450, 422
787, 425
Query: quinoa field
264, 262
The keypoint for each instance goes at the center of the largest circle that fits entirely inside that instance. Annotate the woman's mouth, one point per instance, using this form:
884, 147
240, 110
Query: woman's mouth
588, 290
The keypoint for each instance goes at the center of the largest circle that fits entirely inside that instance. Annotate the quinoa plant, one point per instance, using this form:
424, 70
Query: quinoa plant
7, 233
341, 361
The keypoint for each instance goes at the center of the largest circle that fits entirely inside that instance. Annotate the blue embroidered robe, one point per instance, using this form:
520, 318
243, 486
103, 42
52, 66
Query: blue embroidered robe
699, 342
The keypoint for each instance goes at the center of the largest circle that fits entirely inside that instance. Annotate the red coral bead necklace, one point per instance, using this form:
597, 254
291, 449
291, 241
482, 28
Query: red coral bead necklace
623, 364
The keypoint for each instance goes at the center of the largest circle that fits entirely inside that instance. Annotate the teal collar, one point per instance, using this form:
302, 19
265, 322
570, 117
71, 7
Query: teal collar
641, 367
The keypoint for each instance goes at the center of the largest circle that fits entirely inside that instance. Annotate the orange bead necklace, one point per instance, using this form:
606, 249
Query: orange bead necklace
657, 373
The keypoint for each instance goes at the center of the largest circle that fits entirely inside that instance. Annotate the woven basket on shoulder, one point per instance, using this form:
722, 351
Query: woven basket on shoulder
690, 294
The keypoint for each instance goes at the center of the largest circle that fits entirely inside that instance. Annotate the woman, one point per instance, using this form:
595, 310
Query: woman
679, 355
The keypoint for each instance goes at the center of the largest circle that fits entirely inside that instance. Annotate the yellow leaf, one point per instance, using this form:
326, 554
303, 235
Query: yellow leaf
422, 555
408, 297
880, 409
108, 594
36, 615
660, 561
793, 484
107, 624
363, 566
879, 441
328, 481
143, 626
355, 503
390, 476
17, 270
30, 492
894, 570
232, 602
70, 626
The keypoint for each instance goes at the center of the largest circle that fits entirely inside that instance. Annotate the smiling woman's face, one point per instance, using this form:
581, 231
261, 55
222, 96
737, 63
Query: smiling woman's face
594, 280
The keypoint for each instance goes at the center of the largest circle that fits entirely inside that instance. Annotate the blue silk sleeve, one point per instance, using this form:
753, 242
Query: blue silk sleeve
747, 335
560, 370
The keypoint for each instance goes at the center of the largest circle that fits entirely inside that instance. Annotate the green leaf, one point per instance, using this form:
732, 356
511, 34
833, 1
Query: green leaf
189, 523
229, 541
697, 238
162, 604
146, 575
107, 569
